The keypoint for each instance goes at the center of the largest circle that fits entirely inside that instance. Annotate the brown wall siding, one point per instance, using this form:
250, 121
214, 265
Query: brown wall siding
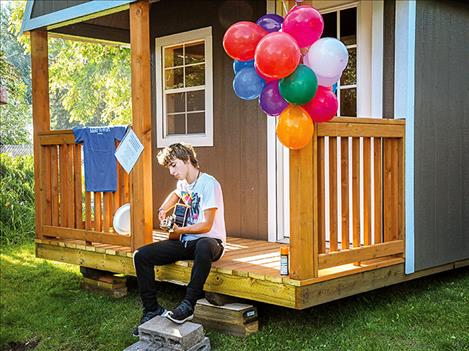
239, 156
388, 57
43, 7
441, 133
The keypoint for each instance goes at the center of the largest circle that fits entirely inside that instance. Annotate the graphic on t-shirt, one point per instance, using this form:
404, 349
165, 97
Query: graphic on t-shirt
192, 200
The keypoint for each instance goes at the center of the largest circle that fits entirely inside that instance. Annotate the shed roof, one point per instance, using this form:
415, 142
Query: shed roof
55, 13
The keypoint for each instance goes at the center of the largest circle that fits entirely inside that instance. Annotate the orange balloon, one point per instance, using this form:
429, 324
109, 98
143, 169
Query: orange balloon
295, 127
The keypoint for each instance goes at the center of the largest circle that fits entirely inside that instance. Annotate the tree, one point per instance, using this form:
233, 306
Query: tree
89, 82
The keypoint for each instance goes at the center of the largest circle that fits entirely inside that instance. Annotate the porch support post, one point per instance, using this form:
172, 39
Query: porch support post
304, 211
41, 112
141, 175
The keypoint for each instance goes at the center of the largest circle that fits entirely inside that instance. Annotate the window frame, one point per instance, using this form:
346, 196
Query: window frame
337, 10
199, 139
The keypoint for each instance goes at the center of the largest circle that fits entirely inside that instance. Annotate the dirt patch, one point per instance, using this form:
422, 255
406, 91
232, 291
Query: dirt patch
20, 346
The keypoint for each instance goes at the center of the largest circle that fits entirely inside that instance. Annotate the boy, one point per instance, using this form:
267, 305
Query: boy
202, 240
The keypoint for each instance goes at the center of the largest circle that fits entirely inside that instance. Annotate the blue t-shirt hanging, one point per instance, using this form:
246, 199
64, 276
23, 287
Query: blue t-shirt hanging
100, 162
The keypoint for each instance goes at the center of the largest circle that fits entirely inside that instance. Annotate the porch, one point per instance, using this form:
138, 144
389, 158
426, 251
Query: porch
333, 171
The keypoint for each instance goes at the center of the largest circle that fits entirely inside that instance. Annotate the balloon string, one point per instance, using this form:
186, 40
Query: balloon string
285, 8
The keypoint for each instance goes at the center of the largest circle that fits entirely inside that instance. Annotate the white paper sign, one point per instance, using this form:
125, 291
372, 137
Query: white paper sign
129, 150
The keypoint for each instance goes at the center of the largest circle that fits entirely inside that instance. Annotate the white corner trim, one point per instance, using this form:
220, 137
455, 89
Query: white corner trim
271, 180
377, 59
404, 100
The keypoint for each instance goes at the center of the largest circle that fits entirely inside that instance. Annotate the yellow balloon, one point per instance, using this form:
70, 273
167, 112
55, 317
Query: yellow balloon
295, 127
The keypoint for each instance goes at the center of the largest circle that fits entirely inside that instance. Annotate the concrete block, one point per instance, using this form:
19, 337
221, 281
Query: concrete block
161, 332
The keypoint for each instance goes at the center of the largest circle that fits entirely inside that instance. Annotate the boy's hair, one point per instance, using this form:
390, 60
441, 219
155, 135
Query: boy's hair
181, 151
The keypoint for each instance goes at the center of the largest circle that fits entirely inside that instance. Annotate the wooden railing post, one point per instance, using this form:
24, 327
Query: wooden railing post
141, 175
41, 113
304, 211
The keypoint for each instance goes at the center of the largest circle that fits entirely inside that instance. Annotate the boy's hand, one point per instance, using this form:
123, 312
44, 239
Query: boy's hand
175, 233
161, 214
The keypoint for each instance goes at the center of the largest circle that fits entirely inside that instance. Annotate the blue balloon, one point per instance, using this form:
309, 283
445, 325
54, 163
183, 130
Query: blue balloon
334, 88
247, 84
239, 65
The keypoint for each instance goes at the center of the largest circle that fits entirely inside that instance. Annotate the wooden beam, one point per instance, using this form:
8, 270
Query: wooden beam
302, 212
41, 111
87, 235
141, 175
360, 254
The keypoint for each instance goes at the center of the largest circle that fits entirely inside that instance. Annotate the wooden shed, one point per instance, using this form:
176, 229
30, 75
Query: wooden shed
380, 195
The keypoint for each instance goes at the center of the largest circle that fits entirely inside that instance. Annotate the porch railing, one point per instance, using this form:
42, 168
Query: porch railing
70, 212
347, 195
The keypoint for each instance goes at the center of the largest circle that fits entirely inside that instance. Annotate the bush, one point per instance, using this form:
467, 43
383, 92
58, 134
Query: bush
17, 211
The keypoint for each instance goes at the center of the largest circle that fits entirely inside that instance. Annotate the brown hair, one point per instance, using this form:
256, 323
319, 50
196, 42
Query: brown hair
181, 151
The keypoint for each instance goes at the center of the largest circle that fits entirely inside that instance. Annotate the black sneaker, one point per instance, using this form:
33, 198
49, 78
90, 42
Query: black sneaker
184, 312
147, 315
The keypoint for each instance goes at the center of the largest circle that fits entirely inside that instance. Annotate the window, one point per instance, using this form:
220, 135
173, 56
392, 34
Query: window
342, 24
184, 88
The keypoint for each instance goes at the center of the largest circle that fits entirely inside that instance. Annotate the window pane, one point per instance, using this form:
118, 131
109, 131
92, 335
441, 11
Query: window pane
196, 122
173, 56
196, 100
348, 26
176, 124
350, 73
330, 25
175, 103
194, 53
195, 75
174, 78
348, 102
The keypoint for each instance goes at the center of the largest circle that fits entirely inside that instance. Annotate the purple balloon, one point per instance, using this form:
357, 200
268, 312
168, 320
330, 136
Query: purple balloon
270, 22
271, 102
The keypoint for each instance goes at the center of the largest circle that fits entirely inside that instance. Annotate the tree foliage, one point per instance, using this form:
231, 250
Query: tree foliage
89, 83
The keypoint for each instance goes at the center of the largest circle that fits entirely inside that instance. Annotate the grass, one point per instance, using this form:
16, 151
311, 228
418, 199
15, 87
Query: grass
42, 305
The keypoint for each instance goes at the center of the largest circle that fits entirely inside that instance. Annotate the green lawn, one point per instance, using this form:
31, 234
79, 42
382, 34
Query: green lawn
42, 303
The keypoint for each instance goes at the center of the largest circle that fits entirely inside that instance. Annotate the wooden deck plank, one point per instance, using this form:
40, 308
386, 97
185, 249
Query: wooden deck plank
367, 191
377, 175
356, 191
333, 240
344, 177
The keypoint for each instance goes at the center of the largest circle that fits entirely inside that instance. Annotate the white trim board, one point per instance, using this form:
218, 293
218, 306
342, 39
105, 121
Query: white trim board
197, 140
404, 96
67, 14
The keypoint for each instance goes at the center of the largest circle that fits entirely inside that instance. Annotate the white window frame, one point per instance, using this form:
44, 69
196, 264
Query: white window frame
205, 139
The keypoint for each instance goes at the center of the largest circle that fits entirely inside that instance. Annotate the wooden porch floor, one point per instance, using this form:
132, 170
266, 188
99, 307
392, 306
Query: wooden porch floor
249, 269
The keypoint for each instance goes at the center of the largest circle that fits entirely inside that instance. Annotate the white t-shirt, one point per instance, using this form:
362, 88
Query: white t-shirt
203, 194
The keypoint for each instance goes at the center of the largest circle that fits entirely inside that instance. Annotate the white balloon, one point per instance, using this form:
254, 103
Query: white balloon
327, 57
327, 81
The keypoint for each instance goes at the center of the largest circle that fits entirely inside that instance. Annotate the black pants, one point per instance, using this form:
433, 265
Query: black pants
203, 251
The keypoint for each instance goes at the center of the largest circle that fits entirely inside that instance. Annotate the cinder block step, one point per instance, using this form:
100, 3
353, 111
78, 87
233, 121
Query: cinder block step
204, 345
238, 319
160, 333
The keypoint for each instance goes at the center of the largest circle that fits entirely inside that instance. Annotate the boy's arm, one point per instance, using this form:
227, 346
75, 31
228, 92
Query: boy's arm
169, 202
198, 228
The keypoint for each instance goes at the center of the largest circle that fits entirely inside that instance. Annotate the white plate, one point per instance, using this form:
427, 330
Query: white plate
121, 222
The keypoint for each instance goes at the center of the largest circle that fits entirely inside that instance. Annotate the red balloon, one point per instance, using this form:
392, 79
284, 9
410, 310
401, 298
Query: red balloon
277, 55
241, 39
323, 106
267, 79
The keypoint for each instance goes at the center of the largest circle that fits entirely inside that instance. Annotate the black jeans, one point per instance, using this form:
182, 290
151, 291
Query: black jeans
203, 251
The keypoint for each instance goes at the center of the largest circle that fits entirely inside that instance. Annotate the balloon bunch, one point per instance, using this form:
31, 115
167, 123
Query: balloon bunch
290, 68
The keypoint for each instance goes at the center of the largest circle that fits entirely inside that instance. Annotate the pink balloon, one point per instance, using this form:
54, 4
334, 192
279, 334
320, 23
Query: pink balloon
323, 106
305, 24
